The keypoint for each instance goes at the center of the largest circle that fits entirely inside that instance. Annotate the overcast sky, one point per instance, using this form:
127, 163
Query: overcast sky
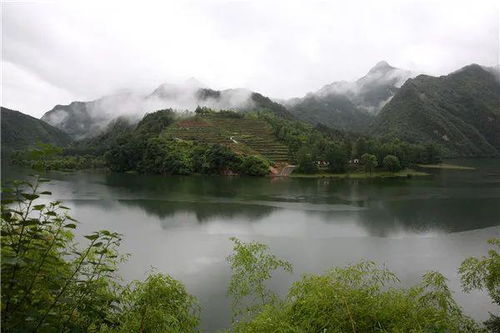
56, 52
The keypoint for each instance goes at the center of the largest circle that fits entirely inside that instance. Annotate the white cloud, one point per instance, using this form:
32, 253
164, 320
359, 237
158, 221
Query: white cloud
54, 52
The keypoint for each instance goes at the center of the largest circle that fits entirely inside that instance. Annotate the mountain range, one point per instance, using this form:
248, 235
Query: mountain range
460, 111
351, 105
86, 119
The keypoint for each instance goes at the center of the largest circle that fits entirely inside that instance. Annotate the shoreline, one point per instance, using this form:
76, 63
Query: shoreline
406, 173
445, 166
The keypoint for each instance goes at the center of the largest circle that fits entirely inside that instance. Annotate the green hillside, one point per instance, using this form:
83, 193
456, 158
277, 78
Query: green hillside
333, 110
241, 134
20, 131
460, 112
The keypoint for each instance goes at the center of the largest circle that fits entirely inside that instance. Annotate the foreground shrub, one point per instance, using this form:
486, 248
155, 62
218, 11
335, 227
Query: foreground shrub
484, 274
362, 297
252, 265
159, 304
49, 284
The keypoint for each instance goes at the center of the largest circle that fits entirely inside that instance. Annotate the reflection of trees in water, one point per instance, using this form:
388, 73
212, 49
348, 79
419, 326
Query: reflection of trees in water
199, 199
384, 218
204, 211
193, 186
197, 188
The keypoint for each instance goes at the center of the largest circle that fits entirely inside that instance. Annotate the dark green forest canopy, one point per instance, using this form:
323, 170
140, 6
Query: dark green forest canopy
459, 112
228, 142
20, 131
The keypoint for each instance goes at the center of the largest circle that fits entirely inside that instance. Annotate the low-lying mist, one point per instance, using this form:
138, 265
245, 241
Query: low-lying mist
88, 118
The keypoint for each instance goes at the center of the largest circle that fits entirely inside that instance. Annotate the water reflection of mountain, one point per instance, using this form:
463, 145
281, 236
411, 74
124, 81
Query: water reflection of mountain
386, 218
203, 211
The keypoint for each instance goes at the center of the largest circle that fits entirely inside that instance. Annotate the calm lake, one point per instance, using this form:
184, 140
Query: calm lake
181, 225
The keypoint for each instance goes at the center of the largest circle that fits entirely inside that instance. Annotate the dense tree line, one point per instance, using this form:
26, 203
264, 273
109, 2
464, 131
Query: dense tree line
309, 144
47, 157
51, 284
143, 148
176, 157
146, 151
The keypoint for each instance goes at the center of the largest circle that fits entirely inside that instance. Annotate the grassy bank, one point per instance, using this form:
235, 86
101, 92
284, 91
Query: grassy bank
445, 166
363, 175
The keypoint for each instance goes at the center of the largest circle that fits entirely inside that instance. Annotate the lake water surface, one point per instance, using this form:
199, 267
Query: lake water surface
182, 225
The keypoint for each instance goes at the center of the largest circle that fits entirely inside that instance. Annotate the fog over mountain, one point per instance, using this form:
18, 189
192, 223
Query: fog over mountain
56, 52
372, 91
459, 111
351, 105
84, 119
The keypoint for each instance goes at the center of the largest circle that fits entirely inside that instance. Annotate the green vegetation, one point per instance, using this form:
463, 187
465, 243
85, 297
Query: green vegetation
20, 131
309, 145
48, 157
484, 274
159, 304
240, 132
154, 146
360, 297
230, 143
50, 283
459, 112
317, 109
357, 174
254, 166
391, 163
369, 162
363, 298
350, 106
306, 163
445, 166
251, 266
204, 144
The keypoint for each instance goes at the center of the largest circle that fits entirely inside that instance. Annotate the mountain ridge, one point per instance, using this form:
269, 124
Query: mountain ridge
86, 119
459, 111
21, 131
351, 105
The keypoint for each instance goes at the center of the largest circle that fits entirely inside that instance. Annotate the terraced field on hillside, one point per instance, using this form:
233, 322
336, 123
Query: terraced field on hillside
250, 136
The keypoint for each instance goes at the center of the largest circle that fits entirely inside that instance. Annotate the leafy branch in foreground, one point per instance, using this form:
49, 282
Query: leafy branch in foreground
484, 273
159, 304
361, 297
50, 284
252, 265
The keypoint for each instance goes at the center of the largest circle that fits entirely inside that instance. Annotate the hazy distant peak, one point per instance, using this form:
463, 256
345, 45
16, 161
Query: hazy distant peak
194, 82
381, 66
477, 70
237, 90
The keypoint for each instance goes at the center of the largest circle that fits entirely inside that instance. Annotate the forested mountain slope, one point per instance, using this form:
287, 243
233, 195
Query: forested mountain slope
20, 131
351, 105
459, 111
87, 119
